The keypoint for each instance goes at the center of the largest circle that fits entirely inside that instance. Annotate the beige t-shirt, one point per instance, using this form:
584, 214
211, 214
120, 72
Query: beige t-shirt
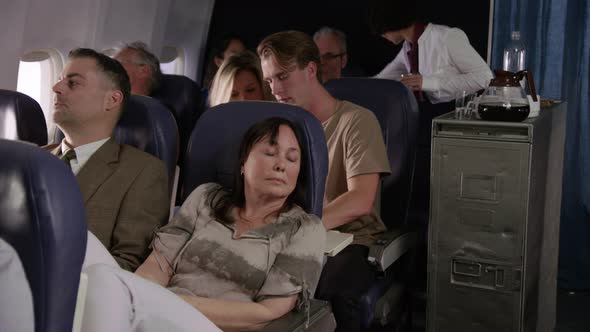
355, 147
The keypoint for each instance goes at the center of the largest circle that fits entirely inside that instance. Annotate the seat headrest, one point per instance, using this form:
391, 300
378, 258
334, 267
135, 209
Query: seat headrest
183, 96
178, 91
42, 216
21, 118
214, 143
396, 110
149, 126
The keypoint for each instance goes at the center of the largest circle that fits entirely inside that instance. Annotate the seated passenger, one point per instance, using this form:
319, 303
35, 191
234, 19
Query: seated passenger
357, 158
239, 78
332, 46
142, 67
241, 257
221, 50
125, 190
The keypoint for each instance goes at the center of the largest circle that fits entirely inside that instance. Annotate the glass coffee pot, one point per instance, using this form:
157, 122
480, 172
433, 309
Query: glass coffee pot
505, 99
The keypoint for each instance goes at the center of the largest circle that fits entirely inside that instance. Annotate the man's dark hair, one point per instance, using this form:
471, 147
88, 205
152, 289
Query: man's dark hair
222, 204
112, 69
391, 15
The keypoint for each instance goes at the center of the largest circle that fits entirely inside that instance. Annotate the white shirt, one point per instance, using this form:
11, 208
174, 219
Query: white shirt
447, 62
83, 153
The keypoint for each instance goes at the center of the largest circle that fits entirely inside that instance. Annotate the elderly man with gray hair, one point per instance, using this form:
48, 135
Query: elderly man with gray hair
332, 45
142, 66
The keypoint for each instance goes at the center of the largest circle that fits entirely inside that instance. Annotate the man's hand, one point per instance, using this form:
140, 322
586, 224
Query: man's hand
356, 202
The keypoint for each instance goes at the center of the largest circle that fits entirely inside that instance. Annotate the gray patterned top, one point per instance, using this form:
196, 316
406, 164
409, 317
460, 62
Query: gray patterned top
279, 259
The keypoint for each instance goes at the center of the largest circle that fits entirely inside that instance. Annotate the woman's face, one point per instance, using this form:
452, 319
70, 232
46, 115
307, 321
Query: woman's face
246, 87
271, 171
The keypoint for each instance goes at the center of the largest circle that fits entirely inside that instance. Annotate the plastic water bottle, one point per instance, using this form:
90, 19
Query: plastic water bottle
514, 54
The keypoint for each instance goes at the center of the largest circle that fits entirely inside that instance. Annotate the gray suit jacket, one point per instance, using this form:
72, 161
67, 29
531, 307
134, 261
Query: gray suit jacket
126, 197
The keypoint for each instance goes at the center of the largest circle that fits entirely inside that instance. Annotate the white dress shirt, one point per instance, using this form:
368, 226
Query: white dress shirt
83, 153
447, 62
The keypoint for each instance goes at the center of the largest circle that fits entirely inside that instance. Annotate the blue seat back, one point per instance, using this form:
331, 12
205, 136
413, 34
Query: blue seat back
42, 216
21, 118
149, 126
397, 112
183, 97
214, 143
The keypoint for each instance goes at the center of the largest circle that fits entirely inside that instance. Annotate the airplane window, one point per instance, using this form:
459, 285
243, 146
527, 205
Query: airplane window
172, 61
37, 72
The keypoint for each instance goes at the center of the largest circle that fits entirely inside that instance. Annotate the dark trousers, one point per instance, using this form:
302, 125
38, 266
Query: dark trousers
345, 278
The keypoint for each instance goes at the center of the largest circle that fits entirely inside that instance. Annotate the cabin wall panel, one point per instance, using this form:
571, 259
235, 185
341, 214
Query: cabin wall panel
60, 24
187, 27
12, 24
27, 25
132, 20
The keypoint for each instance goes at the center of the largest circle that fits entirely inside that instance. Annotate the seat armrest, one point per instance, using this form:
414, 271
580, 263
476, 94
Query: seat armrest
80, 303
320, 319
173, 193
390, 246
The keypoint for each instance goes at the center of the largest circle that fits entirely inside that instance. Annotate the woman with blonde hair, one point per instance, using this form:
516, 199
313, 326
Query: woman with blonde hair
239, 78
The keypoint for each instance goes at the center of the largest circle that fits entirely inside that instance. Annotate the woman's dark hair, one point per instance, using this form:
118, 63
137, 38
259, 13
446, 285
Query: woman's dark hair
217, 50
222, 203
391, 15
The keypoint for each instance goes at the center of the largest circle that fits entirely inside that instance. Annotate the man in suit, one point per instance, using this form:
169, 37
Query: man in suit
125, 190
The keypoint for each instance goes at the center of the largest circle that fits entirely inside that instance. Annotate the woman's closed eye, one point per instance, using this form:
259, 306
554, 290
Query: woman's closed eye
293, 156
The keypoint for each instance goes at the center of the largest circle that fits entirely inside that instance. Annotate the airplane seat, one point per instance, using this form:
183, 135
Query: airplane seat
21, 118
147, 125
183, 96
353, 70
212, 153
397, 112
42, 216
